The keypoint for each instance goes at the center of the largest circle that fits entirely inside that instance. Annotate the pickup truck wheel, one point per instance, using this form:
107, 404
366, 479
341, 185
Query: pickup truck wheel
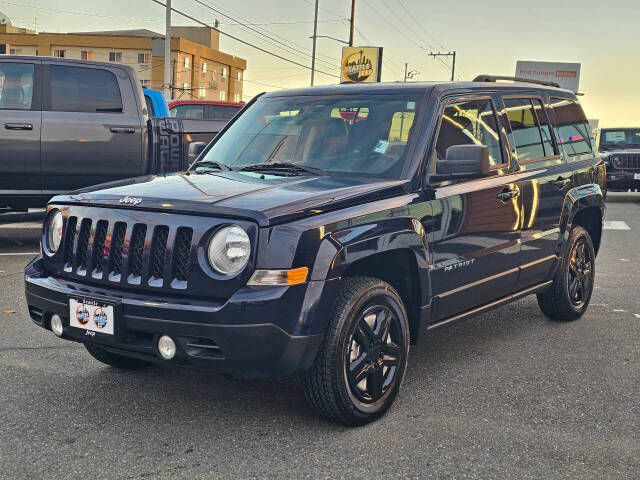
570, 293
362, 360
114, 360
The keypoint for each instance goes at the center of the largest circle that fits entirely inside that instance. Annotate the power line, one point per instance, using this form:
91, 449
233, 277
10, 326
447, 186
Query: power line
244, 41
412, 17
246, 25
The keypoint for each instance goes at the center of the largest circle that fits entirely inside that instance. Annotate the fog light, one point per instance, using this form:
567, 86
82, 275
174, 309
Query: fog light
56, 325
166, 347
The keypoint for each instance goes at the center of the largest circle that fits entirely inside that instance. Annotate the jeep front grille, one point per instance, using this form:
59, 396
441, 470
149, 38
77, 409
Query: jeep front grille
131, 253
627, 162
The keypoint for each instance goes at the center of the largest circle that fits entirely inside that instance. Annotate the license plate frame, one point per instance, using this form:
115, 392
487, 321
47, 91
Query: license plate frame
100, 319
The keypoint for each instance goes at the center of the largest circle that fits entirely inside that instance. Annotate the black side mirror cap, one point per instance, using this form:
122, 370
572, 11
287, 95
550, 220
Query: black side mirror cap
463, 161
195, 149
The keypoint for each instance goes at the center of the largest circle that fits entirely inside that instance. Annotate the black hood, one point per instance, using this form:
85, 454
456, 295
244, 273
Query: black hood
266, 199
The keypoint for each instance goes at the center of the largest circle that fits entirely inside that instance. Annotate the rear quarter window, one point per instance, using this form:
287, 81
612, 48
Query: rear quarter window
572, 128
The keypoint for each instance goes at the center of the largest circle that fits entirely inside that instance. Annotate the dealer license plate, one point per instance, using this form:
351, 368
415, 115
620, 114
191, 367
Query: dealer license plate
92, 315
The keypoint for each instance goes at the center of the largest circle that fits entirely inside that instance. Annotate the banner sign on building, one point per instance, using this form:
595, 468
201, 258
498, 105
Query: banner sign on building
361, 64
567, 75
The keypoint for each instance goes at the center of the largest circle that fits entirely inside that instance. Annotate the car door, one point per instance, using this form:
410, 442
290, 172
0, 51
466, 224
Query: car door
91, 127
474, 230
544, 180
20, 121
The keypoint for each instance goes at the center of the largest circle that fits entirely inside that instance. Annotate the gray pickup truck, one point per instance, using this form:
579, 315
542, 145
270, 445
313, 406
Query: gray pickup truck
67, 124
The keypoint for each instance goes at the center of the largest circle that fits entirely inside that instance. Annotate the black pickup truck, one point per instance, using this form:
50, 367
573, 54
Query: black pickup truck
326, 229
67, 124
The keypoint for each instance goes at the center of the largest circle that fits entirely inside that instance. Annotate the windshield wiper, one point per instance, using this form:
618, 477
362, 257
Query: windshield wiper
283, 167
211, 165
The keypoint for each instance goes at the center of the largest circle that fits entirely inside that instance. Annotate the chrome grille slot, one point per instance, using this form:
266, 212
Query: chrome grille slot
157, 255
99, 253
82, 250
136, 250
181, 257
69, 238
115, 251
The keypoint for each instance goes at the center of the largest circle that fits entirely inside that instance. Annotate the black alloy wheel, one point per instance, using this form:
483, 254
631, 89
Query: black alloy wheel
579, 278
373, 353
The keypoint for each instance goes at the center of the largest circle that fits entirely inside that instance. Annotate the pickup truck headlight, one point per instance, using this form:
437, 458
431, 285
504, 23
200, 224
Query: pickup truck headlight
229, 250
53, 232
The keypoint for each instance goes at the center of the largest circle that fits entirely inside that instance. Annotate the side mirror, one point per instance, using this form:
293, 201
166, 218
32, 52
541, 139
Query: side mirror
463, 161
195, 149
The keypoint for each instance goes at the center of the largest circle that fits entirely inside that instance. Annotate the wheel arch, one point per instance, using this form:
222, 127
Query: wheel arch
585, 207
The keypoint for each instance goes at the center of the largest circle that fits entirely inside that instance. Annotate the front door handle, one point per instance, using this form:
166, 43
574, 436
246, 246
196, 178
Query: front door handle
507, 195
18, 126
122, 129
561, 182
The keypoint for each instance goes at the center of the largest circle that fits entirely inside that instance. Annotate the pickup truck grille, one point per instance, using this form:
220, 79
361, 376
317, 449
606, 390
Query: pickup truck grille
100, 250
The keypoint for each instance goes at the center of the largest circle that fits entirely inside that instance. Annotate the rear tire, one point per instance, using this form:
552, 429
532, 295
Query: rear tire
357, 373
570, 292
114, 360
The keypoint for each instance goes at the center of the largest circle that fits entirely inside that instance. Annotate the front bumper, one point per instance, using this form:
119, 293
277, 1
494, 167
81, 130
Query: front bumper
622, 180
258, 332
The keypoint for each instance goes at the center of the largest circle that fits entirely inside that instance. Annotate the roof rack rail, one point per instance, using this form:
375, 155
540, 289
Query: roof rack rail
495, 78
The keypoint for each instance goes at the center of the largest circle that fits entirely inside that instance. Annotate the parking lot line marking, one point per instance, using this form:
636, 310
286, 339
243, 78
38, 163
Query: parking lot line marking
22, 225
18, 253
615, 225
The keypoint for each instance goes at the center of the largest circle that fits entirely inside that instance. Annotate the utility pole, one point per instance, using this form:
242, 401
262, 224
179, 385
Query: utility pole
353, 20
167, 52
453, 64
315, 38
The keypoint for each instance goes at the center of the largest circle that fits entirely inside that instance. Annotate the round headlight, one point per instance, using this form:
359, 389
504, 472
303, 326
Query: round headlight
229, 250
54, 232
616, 162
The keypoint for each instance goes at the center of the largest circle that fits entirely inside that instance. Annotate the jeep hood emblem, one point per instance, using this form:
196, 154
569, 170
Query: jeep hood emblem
133, 201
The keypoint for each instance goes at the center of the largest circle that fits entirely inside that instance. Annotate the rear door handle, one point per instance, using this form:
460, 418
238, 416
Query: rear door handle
561, 182
18, 126
122, 129
507, 195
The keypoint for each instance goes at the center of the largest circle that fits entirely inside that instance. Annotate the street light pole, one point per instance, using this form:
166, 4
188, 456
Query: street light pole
315, 37
353, 19
167, 52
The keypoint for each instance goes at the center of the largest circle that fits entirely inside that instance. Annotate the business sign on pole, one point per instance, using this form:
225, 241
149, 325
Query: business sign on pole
567, 75
361, 65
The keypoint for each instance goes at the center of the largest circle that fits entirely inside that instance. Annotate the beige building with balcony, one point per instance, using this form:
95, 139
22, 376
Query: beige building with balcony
199, 70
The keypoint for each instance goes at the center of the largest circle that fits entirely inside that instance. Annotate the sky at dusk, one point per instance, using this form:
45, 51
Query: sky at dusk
489, 37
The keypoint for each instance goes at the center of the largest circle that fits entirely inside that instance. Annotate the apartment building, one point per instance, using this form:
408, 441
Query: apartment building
198, 68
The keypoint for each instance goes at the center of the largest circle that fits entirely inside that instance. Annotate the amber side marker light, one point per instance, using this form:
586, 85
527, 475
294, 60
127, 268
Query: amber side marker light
279, 277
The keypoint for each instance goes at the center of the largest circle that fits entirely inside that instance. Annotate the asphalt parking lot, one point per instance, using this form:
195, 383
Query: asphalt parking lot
505, 395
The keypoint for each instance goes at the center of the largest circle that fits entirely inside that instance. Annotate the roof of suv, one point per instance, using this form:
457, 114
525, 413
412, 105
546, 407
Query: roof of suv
416, 87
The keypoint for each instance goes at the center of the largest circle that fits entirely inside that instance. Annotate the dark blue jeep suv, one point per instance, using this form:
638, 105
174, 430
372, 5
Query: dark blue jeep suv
325, 229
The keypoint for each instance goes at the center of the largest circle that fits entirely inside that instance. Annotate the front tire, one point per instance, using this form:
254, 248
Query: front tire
570, 293
357, 373
114, 360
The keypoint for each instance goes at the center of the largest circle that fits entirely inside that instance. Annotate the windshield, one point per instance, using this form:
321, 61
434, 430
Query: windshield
348, 135
619, 139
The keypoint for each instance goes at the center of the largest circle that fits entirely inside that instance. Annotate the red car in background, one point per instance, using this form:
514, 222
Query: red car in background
204, 109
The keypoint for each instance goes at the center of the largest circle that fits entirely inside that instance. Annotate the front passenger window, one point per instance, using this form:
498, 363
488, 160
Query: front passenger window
469, 123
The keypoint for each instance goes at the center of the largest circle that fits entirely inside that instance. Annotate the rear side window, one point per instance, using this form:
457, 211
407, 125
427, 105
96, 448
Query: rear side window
572, 129
16, 86
470, 122
221, 112
525, 137
77, 89
192, 112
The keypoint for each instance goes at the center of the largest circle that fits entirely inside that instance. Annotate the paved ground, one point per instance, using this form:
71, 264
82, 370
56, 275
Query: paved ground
505, 395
